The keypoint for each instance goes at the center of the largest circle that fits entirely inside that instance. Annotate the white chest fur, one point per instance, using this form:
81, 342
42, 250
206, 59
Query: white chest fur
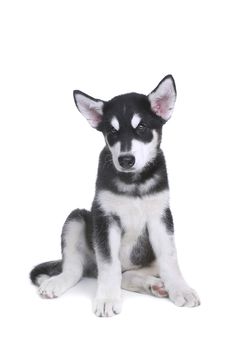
135, 213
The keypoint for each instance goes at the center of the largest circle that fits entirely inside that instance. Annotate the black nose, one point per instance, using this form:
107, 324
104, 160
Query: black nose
126, 161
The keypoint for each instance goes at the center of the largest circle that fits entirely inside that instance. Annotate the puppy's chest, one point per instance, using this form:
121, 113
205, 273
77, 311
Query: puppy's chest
136, 215
134, 225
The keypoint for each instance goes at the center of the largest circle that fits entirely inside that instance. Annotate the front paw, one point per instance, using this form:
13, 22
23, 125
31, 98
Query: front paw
184, 296
107, 307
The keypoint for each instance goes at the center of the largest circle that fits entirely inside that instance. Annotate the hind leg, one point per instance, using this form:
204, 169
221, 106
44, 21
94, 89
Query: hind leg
145, 280
74, 256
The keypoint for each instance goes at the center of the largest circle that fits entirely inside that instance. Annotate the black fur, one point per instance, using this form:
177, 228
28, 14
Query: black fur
101, 223
142, 253
107, 174
50, 268
168, 220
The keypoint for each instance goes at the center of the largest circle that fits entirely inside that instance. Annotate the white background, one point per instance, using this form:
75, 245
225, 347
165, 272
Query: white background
49, 157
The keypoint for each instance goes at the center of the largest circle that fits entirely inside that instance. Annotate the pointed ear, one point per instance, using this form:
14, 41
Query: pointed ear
163, 97
91, 108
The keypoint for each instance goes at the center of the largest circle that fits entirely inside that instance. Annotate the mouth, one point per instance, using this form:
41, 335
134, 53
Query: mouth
125, 170
131, 170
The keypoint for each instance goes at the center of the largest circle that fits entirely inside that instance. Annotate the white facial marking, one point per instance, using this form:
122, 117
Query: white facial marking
135, 121
115, 151
144, 152
115, 123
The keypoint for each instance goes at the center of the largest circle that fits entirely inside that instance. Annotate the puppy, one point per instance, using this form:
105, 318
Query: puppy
127, 239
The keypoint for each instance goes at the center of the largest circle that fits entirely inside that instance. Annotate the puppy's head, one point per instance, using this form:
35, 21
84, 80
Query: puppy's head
131, 123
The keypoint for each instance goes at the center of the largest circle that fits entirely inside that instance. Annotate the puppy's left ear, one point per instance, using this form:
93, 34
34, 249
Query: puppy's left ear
163, 97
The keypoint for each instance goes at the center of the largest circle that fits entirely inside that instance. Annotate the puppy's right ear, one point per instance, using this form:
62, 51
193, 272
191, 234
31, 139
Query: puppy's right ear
91, 108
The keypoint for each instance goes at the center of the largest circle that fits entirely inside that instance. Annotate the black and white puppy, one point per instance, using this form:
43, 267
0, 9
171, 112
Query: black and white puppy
127, 239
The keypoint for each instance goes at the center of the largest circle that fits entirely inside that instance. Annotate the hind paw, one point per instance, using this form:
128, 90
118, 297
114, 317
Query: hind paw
157, 288
53, 287
184, 296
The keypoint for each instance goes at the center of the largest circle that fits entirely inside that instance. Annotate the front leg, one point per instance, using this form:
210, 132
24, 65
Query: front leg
107, 246
162, 241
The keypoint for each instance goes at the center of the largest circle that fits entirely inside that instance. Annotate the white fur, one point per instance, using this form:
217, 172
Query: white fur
144, 280
135, 120
75, 255
164, 247
134, 213
115, 123
115, 151
123, 187
41, 278
144, 152
108, 296
55, 286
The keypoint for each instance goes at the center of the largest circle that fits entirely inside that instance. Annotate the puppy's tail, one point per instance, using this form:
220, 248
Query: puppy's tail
45, 270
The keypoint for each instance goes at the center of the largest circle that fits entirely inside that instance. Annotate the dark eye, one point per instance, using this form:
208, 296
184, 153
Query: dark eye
141, 127
113, 131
